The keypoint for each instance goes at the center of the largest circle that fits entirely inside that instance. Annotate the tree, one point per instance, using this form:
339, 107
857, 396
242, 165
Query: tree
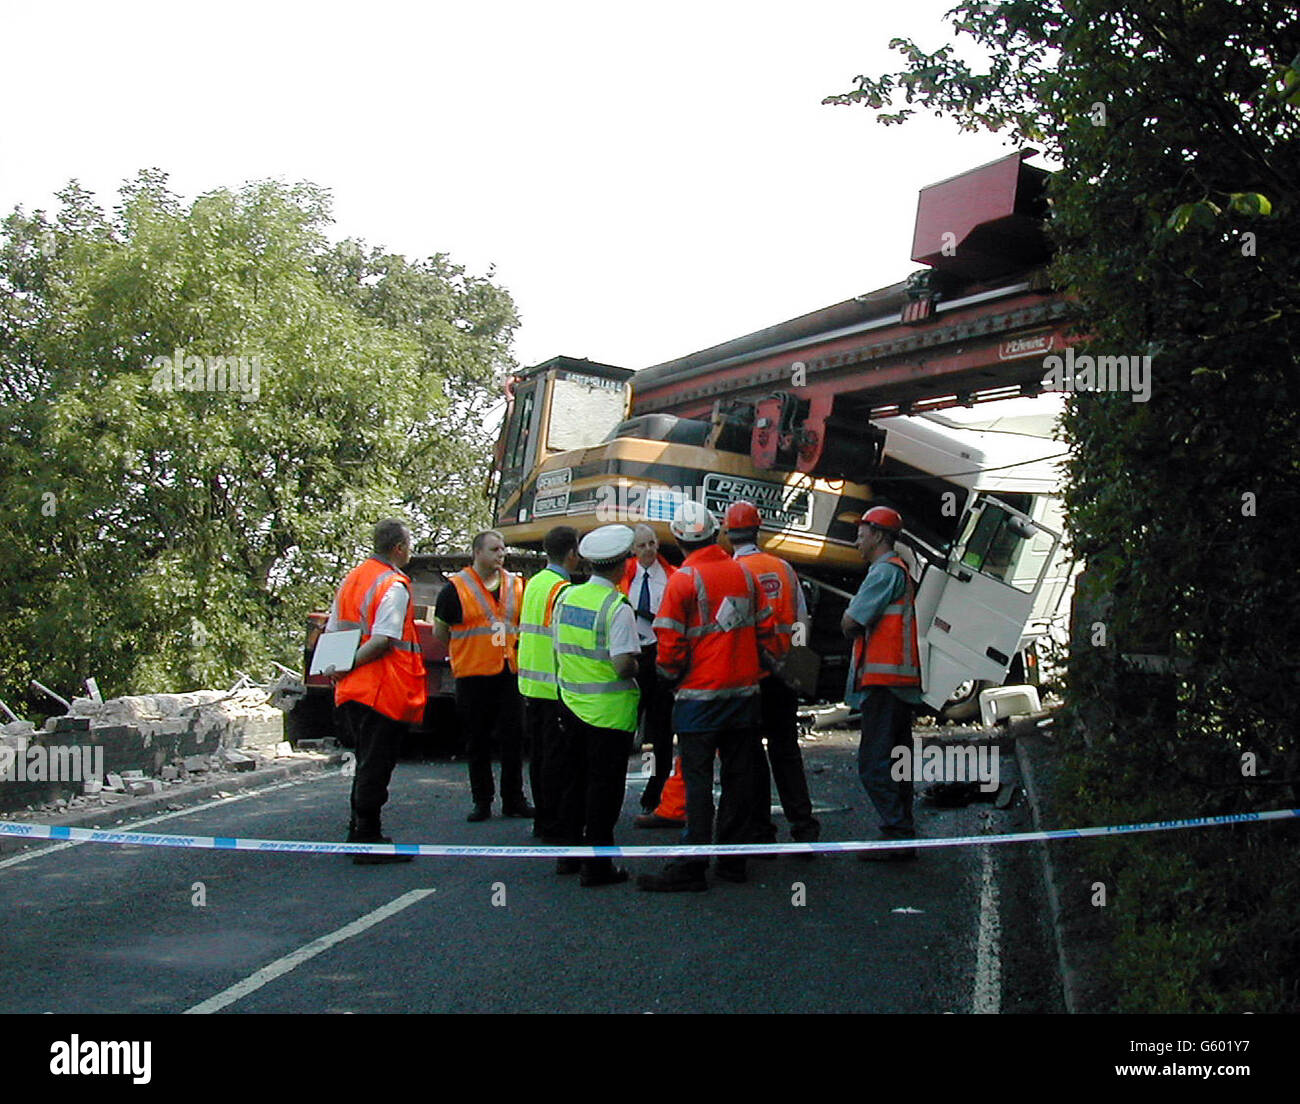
1175, 125
205, 411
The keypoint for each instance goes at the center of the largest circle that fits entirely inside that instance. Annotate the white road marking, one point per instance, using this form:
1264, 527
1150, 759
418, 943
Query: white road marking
988, 963
282, 966
41, 852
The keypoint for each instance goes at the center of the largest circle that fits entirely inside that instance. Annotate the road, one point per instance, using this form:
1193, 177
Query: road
97, 928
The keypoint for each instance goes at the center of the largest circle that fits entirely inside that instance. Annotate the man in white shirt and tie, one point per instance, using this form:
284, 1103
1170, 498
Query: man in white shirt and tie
644, 582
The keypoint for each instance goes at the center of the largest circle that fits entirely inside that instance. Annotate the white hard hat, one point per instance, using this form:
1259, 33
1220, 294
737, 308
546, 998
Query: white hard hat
693, 523
607, 545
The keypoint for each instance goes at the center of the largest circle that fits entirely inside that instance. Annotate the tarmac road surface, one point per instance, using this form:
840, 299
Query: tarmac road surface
120, 929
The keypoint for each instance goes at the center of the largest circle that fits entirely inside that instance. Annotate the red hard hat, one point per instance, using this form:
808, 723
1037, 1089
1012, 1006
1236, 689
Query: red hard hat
882, 517
742, 515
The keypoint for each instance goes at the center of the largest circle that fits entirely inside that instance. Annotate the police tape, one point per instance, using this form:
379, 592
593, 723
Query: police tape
542, 851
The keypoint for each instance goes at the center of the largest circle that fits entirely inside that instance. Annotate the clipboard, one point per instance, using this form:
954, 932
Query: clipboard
335, 649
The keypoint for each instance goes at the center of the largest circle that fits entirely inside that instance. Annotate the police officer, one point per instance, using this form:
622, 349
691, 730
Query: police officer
596, 650
537, 683
884, 675
716, 633
780, 703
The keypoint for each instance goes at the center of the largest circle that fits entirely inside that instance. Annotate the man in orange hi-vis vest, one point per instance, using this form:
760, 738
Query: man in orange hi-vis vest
385, 690
884, 675
477, 616
715, 630
780, 703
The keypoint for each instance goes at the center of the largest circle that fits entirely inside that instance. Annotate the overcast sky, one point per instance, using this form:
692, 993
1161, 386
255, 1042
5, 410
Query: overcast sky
646, 180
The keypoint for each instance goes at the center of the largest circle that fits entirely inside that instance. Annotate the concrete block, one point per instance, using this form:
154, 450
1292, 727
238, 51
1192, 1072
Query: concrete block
114, 782
237, 760
169, 774
71, 724
197, 764
283, 748
144, 788
91, 786
132, 775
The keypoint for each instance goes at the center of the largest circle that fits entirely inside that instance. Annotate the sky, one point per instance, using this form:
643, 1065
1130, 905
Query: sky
645, 181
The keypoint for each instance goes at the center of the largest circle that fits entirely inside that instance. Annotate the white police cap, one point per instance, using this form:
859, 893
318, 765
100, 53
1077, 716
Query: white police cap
607, 545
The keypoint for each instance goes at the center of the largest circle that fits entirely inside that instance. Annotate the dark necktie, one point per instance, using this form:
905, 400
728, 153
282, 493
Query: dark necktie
643, 600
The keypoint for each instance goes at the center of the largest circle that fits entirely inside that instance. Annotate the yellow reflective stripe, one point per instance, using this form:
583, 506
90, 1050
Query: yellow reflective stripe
701, 598
602, 621
481, 596
579, 650
622, 686
370, 595
538, 676
509, 596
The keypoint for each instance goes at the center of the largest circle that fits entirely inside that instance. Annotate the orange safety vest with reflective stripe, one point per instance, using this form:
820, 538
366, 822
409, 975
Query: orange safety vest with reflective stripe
719, 662
393, 684
780, 585
886, 654
487, 638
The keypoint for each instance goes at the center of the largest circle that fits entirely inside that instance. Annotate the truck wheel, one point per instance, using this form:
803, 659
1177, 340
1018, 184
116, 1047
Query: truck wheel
964, 705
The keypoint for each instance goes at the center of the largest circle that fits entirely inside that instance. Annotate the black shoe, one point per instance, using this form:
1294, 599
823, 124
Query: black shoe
375, 860
568, 866
654, 820
663, 883
610, 875
481, 811
806, 833
520, 809
729, 873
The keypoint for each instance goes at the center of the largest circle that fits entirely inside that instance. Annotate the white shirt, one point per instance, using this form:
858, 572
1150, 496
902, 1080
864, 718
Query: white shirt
622, 631
658, 584
390, 617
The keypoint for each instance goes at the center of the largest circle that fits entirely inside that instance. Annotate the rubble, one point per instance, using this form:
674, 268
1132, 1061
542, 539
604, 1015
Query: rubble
236, 760
17, 728
240, 718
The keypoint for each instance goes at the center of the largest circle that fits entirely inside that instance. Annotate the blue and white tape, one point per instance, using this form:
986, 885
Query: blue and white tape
438, 850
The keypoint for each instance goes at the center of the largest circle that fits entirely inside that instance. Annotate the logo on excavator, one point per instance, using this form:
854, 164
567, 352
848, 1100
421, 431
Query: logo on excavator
782, 507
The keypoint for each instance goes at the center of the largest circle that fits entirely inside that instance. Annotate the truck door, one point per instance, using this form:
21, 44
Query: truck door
971, 613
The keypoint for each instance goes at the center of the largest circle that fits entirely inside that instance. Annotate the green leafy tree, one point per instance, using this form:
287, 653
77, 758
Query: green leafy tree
1174, 214
206, 408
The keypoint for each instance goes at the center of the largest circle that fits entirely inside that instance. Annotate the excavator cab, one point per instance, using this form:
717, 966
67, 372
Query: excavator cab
558, 406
